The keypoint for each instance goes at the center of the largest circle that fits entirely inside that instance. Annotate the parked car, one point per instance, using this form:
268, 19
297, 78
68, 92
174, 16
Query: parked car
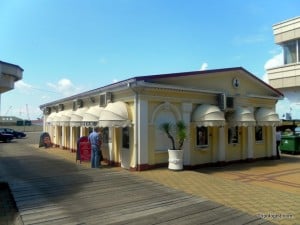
16, 134
6, 137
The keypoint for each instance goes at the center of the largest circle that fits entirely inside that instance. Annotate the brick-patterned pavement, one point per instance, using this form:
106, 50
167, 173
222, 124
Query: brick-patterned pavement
269, 188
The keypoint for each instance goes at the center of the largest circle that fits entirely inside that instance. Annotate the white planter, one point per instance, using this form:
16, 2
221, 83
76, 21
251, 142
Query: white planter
175, 159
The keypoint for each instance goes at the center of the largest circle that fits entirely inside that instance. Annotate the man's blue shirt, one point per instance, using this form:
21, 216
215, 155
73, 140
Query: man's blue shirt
94, 138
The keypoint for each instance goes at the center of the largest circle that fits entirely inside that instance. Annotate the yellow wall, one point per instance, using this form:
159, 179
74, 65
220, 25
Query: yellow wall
202, 155
264, 148
116, 144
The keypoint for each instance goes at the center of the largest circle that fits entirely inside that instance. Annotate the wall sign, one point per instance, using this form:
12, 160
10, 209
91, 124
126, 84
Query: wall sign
83, 149
45, 140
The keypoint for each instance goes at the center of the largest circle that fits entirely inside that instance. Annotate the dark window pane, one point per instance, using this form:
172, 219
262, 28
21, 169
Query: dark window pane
202, 136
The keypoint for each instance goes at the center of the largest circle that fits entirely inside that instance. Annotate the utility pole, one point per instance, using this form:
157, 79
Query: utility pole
27, 112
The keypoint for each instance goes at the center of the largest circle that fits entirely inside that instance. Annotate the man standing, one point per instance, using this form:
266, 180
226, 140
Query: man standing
94, 139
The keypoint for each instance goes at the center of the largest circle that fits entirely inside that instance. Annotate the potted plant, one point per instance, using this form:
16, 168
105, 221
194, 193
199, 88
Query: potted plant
177, 134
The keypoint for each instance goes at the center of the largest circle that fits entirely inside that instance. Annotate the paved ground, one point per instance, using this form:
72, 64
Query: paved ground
268, 189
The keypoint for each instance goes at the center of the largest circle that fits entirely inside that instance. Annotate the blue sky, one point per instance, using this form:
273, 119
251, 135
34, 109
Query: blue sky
70, 46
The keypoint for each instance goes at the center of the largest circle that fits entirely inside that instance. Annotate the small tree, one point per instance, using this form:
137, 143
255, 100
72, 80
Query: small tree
180, 129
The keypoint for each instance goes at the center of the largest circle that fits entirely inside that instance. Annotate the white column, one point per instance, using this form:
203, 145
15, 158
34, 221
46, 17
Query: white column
71, 138
55, 139
186, 117
250, 143
141, 132
45, 126
110, 145
63, 138
221, 152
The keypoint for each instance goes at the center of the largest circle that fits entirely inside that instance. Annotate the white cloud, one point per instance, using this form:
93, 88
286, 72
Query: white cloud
204, 66
275, 61
22, 86
265, 78
65, 87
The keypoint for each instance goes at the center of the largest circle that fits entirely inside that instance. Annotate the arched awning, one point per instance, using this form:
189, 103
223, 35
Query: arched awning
208, 116
242, 117
77, 116
50, 118
267, 117
91, 116
65, 117
56, 118
115, 115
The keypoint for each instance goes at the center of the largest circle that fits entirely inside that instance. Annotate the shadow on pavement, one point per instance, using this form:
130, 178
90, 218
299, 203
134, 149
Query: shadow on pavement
51, 177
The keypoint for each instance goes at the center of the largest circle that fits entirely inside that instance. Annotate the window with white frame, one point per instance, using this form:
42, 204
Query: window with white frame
291, 50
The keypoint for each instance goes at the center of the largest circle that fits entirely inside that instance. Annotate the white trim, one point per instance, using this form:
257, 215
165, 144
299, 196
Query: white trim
177, 88
142, 135
264, 97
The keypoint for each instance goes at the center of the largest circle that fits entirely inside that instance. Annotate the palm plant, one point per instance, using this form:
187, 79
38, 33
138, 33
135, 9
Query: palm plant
180, 130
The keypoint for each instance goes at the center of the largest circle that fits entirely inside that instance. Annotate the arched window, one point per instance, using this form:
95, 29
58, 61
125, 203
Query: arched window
162, 142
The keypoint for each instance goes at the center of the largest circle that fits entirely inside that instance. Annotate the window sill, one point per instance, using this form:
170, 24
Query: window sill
202, 148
